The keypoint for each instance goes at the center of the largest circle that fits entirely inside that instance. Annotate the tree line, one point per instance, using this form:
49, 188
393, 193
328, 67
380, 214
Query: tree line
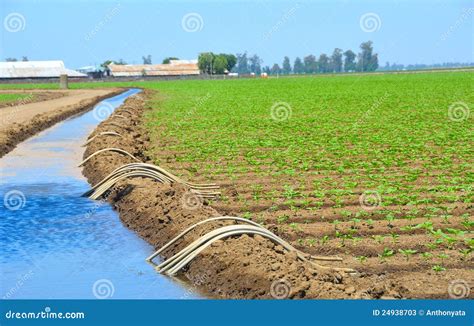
338, 61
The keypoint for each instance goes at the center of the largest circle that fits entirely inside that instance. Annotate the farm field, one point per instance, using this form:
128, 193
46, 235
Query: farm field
9, 98
375, 169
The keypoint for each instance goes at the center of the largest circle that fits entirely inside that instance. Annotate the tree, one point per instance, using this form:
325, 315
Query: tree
374, 62
286, 66
11, 60
298, 67
220, 64
242, 66
336, 60
267, 70
349, 61
275, 69
168, 60
24, 58
231, 60
310, 64
323, 63
147, 60
106, 63
255, 64
367, 60
205, 62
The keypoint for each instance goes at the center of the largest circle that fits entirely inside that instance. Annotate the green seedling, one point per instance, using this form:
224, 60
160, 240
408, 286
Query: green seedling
386, 253
407, 253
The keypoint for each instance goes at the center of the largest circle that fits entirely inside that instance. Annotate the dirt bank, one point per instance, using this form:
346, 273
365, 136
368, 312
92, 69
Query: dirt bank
32, 96
240, 267
20, 122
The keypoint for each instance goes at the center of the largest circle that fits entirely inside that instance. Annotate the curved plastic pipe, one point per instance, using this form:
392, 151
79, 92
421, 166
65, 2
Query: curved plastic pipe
105, 133
192, 227
172, 265
151, 171
118, 150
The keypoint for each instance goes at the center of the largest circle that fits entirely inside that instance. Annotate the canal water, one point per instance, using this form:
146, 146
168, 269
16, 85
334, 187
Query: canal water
56, 244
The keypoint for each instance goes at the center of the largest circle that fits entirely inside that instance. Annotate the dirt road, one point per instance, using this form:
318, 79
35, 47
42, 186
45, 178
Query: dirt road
19, 122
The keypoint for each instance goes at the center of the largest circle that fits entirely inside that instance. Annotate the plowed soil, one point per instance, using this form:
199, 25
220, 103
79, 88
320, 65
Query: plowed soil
31, 96
22, 121
253, 267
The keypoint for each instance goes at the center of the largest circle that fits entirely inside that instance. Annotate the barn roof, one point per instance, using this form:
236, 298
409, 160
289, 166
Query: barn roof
36, 69
174, 68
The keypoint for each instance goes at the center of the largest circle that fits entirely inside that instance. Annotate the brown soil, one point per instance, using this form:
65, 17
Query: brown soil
23, 121
33, 96
251, 266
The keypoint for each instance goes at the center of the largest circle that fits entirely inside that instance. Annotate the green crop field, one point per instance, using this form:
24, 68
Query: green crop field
7, 97
385, 161
377, 169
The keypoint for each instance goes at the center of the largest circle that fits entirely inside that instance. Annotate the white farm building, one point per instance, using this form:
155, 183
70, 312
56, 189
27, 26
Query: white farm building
36, 69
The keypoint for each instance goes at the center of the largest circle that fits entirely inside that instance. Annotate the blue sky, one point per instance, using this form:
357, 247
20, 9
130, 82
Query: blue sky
89, 32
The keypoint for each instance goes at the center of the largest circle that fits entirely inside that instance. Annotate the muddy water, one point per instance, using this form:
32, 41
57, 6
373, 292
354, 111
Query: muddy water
56, 244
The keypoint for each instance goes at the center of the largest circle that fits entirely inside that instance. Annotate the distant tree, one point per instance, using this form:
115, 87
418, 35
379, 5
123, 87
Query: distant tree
367, 61
323, 63
24, 58
336, 60
374, 62
220, 64
231, 60
349, 61
168, 60
298, 66
11, 60
396, 66
310, 64
267, 70
242, 66
255, 64
286, 67
276, 69
205, 62
120, 62
147, 60
106, 63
